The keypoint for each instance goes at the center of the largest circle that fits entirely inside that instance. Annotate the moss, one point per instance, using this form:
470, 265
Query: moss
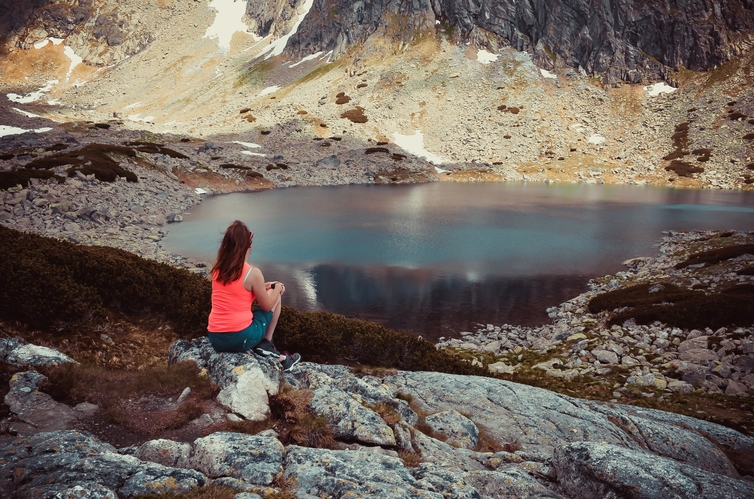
255, 75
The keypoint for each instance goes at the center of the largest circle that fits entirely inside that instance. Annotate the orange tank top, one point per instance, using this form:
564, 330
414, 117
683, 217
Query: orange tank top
231, 305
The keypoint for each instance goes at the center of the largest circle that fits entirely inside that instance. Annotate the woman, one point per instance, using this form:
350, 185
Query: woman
233, 327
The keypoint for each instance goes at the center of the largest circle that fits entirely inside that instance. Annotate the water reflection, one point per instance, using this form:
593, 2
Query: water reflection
424, 301
435, 258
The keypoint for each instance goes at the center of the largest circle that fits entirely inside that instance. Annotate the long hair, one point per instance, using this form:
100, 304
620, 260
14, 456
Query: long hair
232, 252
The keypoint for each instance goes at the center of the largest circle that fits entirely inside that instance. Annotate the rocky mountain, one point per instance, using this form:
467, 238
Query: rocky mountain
623, 40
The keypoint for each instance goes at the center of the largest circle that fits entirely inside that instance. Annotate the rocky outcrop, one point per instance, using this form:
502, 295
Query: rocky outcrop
99, 33
559, 446
624, 40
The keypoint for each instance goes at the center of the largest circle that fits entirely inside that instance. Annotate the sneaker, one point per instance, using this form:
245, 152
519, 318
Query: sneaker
267, 349
290, 361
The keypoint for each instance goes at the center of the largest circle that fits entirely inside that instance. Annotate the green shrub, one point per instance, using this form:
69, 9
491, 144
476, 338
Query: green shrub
332, 338
51, 283
674, 306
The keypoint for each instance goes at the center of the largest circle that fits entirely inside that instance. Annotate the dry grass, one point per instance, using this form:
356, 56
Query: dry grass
295, 422
208, 492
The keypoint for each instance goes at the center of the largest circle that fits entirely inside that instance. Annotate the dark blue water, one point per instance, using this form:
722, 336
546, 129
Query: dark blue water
439, 258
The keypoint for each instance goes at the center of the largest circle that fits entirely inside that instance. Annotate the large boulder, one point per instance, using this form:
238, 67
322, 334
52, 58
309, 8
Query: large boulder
539, 420
246, 380
593, 470
252, 458
349, 419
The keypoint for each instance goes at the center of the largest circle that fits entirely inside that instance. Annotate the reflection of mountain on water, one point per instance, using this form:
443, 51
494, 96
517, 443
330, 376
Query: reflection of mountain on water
424, 301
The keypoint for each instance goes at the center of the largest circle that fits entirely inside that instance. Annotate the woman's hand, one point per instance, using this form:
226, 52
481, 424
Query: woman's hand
275, 285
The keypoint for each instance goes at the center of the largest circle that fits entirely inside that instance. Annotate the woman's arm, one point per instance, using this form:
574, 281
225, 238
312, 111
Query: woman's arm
266, 297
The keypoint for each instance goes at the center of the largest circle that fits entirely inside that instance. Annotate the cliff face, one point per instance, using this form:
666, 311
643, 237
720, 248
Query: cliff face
619, 39
99, 32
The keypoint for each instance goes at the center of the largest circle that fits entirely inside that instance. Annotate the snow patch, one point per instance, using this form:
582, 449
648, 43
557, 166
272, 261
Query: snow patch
13, 130
228, 21
415, 145
200, 191
440, 170
75, 60
276, 48
307, 58
249, 153
269, 90
26, 113
250, 145
659, 88
596, 139
137, 118
485, 57
56, 41
41, 44
34, 96
547, 74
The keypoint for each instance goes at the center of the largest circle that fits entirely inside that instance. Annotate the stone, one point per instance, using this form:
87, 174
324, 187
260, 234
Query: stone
628, 361
501, 368
246, 380
349, 419
36, 409
746, 363
593, 470
459, 430
251, 458
680, 387
699, 356
695, 343
36, 356
736, 389
332, 473
165, 452
605, 356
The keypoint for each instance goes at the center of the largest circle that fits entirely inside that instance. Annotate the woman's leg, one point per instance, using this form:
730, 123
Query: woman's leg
275, 316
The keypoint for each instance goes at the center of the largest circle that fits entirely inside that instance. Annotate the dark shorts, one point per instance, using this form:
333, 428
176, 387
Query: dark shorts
243, 340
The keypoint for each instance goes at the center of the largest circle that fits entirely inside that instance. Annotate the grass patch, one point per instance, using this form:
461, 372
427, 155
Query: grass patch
342, 98
718, 255
373, 150
683, 169
208, 492
91, 159
127, 398
297, 425
356, 115
674, 306
12, 178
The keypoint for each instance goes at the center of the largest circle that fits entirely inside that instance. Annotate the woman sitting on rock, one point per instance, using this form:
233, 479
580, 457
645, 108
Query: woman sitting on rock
233, 327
